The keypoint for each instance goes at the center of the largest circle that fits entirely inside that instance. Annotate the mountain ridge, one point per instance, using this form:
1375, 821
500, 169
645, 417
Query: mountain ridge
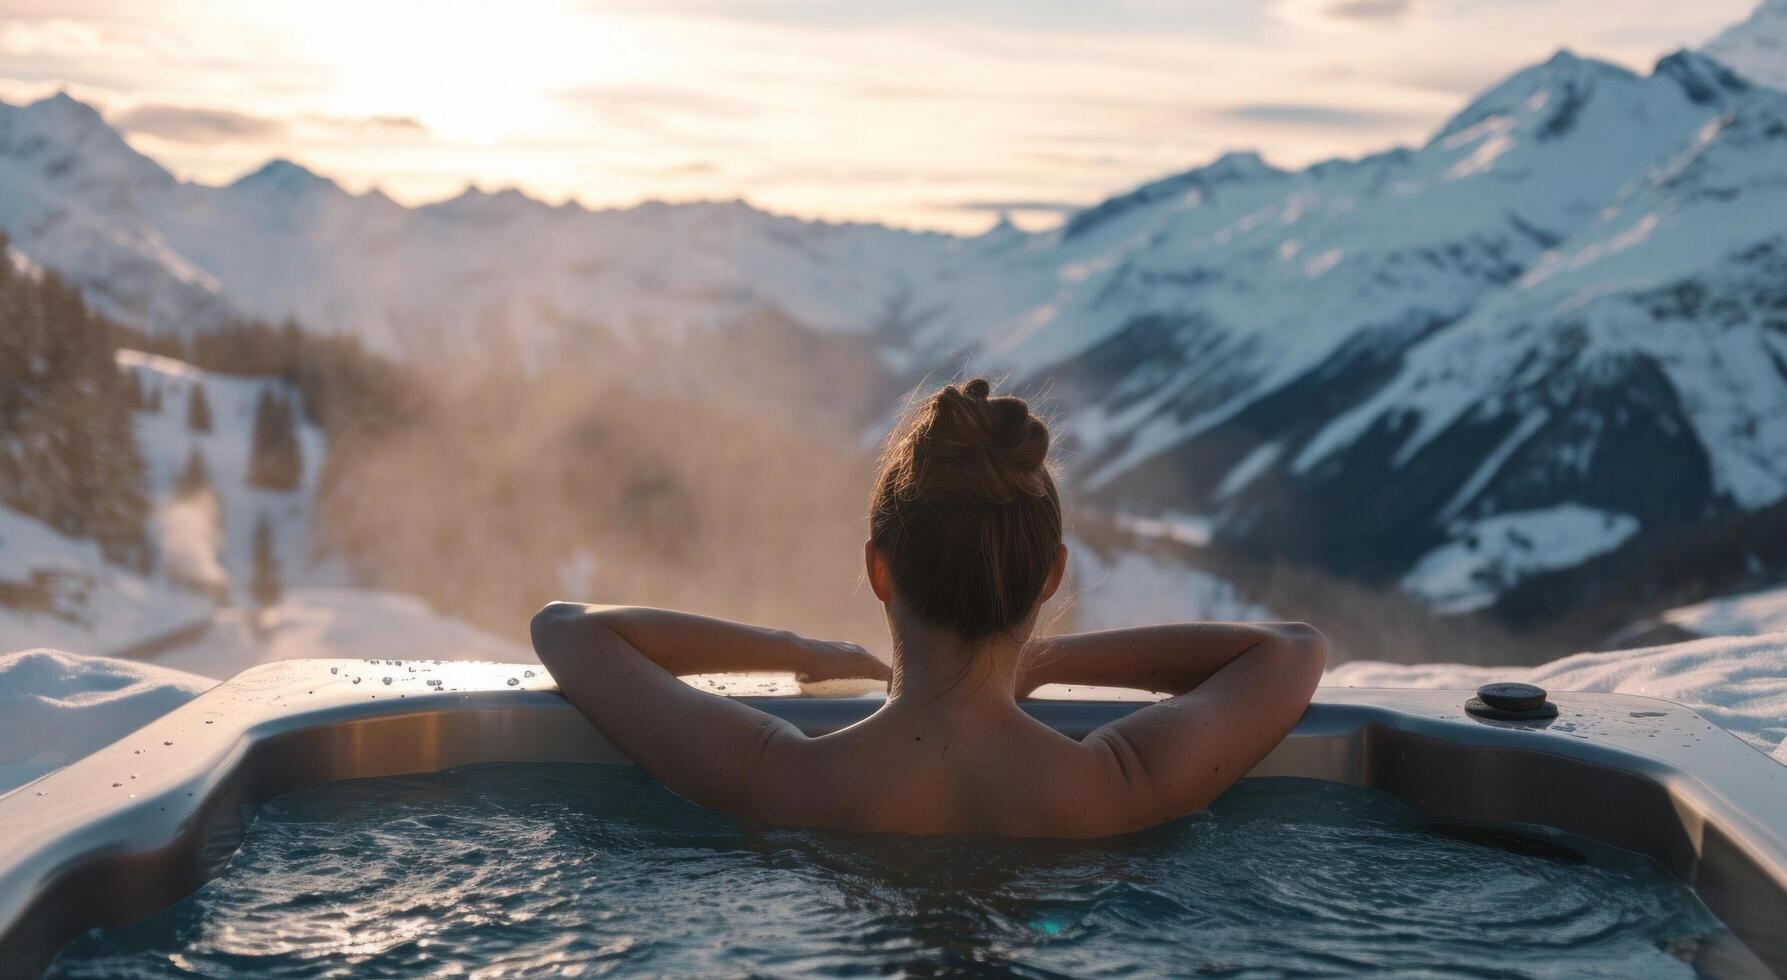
1453, 367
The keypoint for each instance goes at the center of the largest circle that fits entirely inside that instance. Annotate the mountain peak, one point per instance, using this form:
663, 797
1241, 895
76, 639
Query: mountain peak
477, 204
1237, 165
1233, 167
66, 140
284, 175
67, 106
1559, 87
1756, 48
65, 116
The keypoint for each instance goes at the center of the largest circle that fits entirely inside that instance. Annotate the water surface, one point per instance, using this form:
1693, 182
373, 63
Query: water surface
596, 870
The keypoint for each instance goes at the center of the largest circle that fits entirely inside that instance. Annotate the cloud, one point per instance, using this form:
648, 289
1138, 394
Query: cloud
365, 127
1369, 9
206, 126
994, 207
1358, 13
191, 124
643, 98
1311, 114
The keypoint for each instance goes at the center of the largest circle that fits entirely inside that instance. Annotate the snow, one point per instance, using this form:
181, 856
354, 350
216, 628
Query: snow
340, 623
1739, 615
283, 241
1756, 48
1191, 529
218, 548
1136, 589
1486, 556
195, 601
95, 606
1738, 683
1251, 466
1584, 310
57, 707
203, 545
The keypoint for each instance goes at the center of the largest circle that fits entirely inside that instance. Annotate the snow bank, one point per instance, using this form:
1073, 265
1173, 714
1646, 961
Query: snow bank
57, 707
89, 604
1738, 683
1739, 615
344, 623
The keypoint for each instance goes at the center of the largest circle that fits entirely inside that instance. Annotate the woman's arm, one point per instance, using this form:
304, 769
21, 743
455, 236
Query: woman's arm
1249, 685
619, 667
1168, 659
684, 643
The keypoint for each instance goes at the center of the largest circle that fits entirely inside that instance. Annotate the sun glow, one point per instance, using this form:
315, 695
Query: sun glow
932, 114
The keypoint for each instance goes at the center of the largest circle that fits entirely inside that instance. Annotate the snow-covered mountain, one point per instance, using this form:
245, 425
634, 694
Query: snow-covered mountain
1551, 331
285, 242
1757, 48
1554, 327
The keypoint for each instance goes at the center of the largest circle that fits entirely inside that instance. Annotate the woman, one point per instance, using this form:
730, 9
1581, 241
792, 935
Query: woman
964, 548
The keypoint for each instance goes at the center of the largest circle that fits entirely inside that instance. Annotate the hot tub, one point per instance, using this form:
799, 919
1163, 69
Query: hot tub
144, 822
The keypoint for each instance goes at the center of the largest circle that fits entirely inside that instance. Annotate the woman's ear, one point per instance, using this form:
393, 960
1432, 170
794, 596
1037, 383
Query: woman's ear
1055, 574
880, 576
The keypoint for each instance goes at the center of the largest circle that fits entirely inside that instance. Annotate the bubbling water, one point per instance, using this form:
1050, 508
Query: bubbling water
550, 869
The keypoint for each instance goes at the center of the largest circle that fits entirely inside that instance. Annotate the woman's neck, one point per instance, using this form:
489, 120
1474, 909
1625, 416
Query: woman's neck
935, 670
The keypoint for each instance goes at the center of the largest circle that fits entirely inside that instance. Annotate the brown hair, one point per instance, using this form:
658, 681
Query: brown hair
965, 511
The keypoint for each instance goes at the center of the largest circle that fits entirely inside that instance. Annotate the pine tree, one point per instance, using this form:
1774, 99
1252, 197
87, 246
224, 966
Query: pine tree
195, 477
198, 409
276, 461
68, 450
265, 584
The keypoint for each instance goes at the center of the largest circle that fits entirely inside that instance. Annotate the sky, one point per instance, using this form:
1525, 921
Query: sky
920, 113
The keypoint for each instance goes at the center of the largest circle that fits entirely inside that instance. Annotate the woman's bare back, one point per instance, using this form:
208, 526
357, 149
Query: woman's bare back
961, 757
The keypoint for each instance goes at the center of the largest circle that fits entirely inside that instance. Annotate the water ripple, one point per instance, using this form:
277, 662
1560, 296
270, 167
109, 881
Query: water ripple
597, 871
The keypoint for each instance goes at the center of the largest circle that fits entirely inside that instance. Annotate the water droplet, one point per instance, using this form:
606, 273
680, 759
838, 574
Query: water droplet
397, 663
133, 775
514, 681
116, 785
527, 673
137, 752
209, 722
334, 670
169, 742
387, 680
356, 680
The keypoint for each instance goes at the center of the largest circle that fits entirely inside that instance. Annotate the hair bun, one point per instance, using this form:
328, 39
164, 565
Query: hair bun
988, 448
